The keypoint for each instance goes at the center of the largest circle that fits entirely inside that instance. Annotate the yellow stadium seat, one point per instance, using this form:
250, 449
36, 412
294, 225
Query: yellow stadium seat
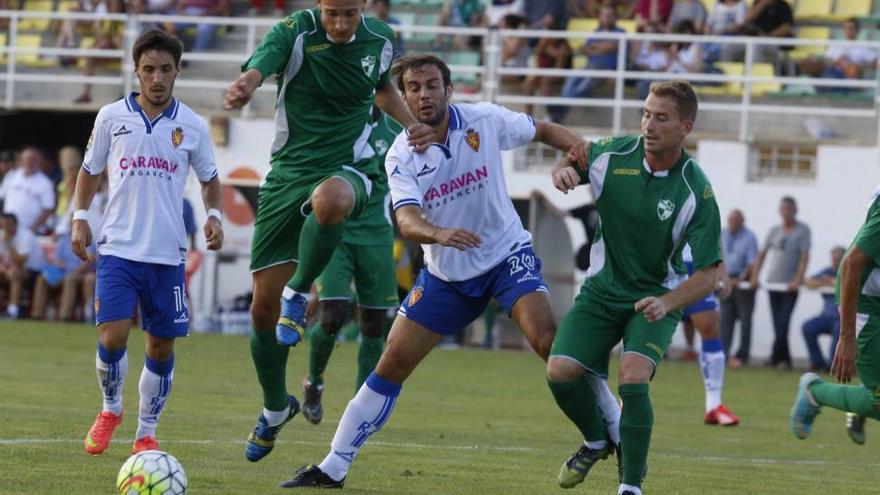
3, 44
762, 88
709, 4
66, 5
735, 88
35, 24
579, 25
812, 9
810, 33
731, 88
628, 25
851, 8
31, 59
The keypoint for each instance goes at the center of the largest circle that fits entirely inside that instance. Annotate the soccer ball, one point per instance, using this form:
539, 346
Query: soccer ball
151, 472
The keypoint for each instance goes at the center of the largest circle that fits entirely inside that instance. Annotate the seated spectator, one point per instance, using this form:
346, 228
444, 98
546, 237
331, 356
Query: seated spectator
549, 52
653, 56
154, 7
727, 18
765, 18
687, 10
27, 193
650, 12
462, 13
108, 36
20, 260
602, 55
73, 276
381, 9
499, 9
204, 32
841, 62
515, 51
828, 321
686, 57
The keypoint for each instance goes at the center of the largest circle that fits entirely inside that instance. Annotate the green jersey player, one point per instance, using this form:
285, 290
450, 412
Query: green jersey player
366, 254
331, 66
652, 200
858, 348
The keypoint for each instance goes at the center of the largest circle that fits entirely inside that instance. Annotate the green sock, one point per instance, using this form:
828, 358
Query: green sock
578, 401
316, 245
369, 351
852, 398
320, 347
636, 420
270, 360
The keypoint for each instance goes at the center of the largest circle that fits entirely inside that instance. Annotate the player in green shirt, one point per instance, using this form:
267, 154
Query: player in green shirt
652, 199
858, 348
366, 254
331, 66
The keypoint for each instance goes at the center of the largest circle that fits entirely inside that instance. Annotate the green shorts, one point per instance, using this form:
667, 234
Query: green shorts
592, 328
372, 268
282, 208
868, 354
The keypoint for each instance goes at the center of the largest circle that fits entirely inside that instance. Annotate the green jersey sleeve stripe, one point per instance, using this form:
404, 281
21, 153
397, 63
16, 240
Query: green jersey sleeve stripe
599, 167
387, 49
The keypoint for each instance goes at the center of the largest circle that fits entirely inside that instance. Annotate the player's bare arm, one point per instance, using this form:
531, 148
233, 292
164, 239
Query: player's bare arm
242, 89
843, 367
420, 135
693, 289
212, 196
81, 234
556, 136
565, 177
414, 226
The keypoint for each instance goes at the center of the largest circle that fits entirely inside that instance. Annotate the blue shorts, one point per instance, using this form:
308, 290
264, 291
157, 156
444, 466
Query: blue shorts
708, 303
447, 307
160, 289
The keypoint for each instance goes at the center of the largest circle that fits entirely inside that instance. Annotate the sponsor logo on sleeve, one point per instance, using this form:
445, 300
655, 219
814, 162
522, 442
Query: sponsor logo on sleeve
425, 170
122, 131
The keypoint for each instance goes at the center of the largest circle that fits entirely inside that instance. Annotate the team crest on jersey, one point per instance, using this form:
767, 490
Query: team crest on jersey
665, 209
472, 138
177, 137
368, 63
381, 146
416, 295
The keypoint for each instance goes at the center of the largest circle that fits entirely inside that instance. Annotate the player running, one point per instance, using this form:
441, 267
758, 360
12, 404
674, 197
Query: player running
147, 143
703, 316
453, 200
652, 199
365, 254
331, 65
858, 348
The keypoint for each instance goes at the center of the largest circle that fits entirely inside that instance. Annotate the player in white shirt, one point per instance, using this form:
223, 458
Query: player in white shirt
147, 142
27, 192
453, 200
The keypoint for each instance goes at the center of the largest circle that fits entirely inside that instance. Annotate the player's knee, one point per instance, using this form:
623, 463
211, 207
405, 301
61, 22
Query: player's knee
264, 314
159, 349
332, 201
372, 322
563, 370
634, 375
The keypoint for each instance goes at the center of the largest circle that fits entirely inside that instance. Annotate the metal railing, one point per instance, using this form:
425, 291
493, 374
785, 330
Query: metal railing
490, 71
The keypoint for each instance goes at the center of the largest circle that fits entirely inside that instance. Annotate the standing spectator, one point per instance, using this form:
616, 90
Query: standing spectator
687, 10
790, 244
740, 250
765, 18
827, 322
70, 160
381, 9
203, 8
462, 13
602, 55
19, 259
651, 11
26, 191
550, 52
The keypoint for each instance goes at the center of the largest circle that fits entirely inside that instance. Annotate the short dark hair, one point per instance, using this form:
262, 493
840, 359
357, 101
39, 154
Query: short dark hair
683, 94
10, 216
158, 40
417, 62
790, 200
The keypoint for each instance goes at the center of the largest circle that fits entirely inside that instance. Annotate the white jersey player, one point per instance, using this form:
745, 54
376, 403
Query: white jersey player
453, 200
146, 143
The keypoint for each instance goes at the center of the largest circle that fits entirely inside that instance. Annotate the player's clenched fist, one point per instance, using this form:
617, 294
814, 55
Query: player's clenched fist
420, 136
80, 238
565, 177
213, 234
653, 308
241, 90
458, 238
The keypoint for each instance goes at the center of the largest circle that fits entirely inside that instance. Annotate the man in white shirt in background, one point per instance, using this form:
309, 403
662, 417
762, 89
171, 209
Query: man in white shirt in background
27, 192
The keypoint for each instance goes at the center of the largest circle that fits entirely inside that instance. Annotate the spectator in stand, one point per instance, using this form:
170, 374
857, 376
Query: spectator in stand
108, 36
20, 260
515, 51
462, 13
841, 62
652, 56
154, 7
381, 9
602, 55
201, 8
27, 193
686, 57
549, 52
790, 245
687, 10
740, 252
257, 8
651, 12
70, 160
499, 9
726, 18
827, 322
765, 18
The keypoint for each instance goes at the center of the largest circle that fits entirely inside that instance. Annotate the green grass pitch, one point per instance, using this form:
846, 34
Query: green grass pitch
468, 422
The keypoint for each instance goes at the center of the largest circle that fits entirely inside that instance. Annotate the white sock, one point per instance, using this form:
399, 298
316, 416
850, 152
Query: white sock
608, 405
288, 293
596, 445
111, 379
624, 487
712, 365
12, 310
366, 413
154, 389
275, 418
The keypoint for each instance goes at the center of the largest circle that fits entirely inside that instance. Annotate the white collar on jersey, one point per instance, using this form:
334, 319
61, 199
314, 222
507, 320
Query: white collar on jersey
335, 43
170, 112
456, 123
661, 173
